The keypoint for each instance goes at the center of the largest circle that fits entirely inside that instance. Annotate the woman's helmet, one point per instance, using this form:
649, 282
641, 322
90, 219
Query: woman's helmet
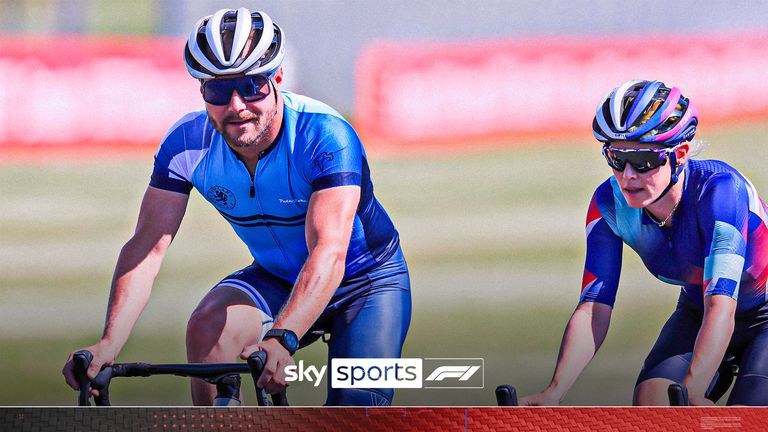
234, 42
647, 112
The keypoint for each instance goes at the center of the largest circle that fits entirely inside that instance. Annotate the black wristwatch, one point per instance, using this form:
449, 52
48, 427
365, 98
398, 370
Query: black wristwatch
287, 339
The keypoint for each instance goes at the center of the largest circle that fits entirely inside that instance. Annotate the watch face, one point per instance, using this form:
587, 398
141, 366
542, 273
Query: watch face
291, 341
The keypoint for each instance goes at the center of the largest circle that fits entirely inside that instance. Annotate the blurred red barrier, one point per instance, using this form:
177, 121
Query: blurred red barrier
452, 93
66, 91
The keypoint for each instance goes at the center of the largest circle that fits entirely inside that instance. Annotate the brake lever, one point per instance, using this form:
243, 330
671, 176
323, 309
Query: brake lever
280, 399
506, 395
678, 395
256, 362
82, 360
101, 384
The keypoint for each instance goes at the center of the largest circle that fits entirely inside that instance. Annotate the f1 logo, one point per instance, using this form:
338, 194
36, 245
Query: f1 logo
454, 373
463, 373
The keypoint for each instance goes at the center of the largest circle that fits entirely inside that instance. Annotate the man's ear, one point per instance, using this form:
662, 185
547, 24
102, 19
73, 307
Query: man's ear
681, 153
278, 77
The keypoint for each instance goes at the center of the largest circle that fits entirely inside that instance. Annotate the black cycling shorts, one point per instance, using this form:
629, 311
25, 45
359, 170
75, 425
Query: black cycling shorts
671, 356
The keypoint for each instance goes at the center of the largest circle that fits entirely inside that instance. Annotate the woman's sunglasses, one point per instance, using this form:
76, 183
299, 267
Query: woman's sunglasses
252, 88
642, 160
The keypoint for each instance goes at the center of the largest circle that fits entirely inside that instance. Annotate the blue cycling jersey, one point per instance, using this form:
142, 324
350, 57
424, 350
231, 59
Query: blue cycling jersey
717, 242
315, 149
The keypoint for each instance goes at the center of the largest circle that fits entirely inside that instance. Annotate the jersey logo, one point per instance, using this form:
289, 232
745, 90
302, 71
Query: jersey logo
222, 197
291, 201
322, 159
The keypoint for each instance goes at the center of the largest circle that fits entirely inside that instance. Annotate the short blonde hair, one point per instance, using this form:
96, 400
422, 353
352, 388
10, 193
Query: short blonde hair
697, 146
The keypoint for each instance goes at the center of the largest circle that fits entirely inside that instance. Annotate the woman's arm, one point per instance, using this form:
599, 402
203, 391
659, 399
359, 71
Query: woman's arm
585, 332
712, 341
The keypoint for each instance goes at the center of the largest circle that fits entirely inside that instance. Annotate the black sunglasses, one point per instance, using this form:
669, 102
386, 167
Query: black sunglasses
642, 160
252, 88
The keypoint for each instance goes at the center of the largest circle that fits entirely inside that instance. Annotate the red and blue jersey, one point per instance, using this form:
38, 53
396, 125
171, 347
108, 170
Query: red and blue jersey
717, 243
316, 149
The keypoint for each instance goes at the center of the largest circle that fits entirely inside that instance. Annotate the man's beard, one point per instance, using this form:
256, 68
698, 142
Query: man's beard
244, 140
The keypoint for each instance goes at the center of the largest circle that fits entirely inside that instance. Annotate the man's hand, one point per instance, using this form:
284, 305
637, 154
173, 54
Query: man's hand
278, 358
103, 354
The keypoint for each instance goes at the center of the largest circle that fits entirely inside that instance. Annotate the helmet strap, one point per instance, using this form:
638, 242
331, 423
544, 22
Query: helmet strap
676, 170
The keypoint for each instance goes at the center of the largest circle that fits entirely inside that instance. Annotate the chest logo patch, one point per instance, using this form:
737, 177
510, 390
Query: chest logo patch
222, 197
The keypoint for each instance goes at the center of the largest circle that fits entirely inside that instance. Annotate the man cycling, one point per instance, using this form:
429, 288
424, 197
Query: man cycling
696, 224
291, 177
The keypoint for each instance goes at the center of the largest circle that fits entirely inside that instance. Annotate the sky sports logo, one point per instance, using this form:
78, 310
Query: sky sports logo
394, 373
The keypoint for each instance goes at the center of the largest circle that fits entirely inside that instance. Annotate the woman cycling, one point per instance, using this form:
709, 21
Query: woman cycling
696, 224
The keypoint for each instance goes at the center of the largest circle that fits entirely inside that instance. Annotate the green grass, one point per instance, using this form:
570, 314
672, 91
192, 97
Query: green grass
495, 244
115, 17
520, 348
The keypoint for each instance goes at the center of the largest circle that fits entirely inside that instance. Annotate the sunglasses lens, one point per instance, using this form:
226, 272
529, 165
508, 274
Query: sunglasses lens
217, 92
641, 160
252, 88
613, 161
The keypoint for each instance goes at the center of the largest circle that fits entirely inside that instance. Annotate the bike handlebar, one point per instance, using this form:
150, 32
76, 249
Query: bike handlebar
726, 373
81, 360
506, 395
678, 395
213, 373
256, 362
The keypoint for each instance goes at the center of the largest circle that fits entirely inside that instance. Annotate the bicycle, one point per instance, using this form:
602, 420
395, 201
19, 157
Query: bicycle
506, 395
726, 373
226, 377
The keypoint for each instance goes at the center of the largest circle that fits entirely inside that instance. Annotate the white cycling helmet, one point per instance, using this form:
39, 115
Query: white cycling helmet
234, 42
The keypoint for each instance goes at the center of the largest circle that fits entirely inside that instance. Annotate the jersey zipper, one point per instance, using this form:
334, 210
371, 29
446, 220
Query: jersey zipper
261, 210
253, 177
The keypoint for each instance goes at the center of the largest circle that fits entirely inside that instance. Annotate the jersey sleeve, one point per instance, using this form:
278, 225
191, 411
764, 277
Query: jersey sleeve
335, 157
179, 152
603, 263
723, 220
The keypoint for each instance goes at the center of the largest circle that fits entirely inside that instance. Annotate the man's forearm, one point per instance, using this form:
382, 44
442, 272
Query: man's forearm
317, 281
135, 273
